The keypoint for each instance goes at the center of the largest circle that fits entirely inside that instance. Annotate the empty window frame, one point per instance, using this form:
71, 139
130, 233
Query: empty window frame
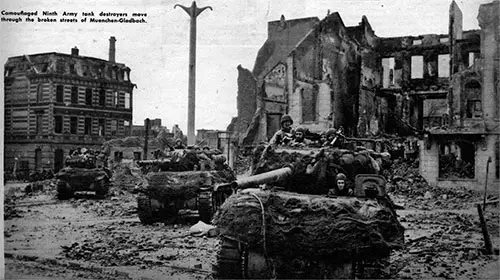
102, 127
388, 71
443, 65
73, 125
88, 96
58, 124
59, 93
417, 67
74, 95
88, 126
474, 109
472, 57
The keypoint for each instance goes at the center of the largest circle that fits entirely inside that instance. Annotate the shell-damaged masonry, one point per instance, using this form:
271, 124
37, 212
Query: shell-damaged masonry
352, 157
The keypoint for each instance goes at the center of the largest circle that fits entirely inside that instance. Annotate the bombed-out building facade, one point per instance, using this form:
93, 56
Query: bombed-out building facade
56, 102
439, 92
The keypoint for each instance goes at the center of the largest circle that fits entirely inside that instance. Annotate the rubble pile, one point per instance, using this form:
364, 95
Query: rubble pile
447, 250
123, 179
113, 245
10, 211
403, 178
451, 167
315, 225
40, 186
123, 205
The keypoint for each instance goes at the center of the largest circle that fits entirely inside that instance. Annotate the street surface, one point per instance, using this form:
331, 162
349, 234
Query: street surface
88, 238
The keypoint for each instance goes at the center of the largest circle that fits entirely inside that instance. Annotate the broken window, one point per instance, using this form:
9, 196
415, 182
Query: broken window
388, 72
127, 100
443, 65
58, 120
39, 123
88, 96
88, 126
114, 127
73, 125
74, 95
102, 125
39, 93
417, 67
473, 97
309, 108
102, 97
59, 93
456, 160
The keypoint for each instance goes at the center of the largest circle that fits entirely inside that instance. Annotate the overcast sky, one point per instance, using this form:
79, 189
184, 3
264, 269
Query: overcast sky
231, 34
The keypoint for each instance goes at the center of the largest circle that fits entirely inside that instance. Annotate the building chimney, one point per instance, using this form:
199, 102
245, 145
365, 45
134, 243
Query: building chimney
112, 41
74, 51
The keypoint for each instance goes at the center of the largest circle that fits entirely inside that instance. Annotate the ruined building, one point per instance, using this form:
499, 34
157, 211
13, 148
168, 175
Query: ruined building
55, 102
439, 87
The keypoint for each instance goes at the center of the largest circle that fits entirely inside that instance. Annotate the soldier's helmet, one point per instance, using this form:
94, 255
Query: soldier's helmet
301, 129
286, 118
341, 176
331, 131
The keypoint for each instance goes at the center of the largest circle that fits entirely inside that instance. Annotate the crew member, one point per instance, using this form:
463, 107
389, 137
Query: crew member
300, 138
342, 184
285, 134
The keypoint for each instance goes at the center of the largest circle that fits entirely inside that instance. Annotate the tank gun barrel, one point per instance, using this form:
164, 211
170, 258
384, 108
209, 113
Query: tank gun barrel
263, 178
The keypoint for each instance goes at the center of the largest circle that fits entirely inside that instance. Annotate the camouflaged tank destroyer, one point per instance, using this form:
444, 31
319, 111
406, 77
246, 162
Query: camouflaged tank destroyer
182, 180
84, 171
290, 218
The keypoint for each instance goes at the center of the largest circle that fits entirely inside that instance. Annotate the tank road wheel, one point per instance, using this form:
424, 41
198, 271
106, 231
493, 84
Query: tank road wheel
205, 208
373, 269
229, 260
145, 210
151, 211
64, 190
101, 188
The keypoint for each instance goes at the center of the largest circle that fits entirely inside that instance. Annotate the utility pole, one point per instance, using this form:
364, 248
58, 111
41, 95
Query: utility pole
193, 13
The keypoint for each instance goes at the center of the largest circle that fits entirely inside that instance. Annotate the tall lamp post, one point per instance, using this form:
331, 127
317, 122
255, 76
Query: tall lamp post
193, 13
